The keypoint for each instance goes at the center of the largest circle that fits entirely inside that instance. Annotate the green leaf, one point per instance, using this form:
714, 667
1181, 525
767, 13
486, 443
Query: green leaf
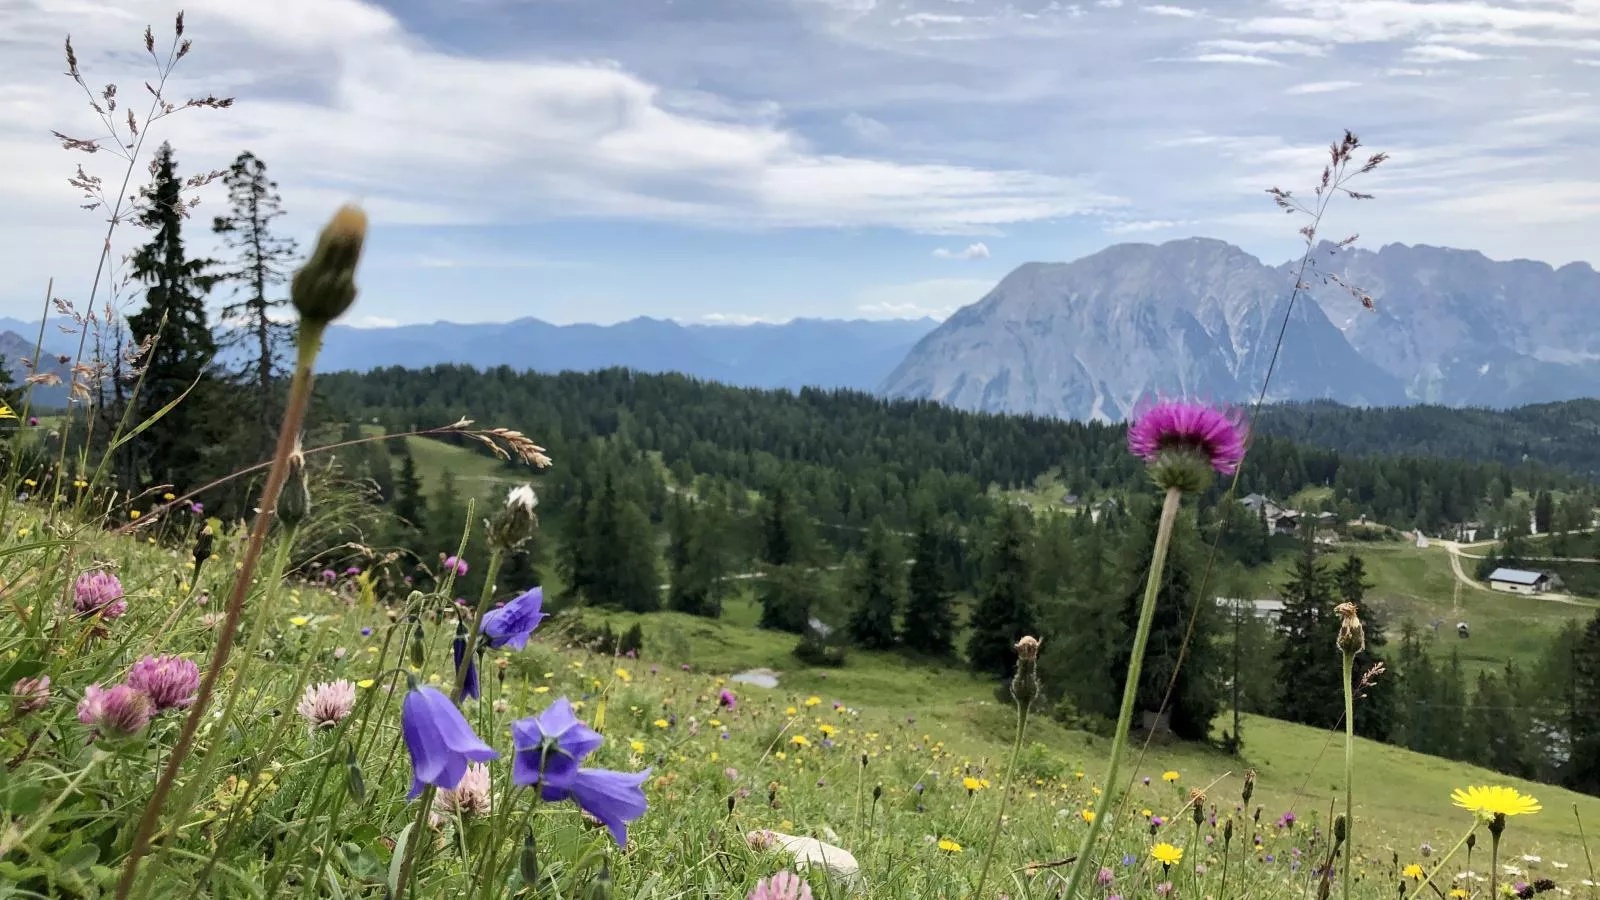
78, 858
22, 668
397, 859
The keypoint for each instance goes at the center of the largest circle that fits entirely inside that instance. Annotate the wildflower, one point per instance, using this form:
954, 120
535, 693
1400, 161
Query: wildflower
1169, 777
1183, 441
827, 730
1488, 802
1087, 815
1105, 876
973, 785
800, 740
469, 798
30, 695
439, 740
133, 514
1287, 819
782, 886
1352, 636
726, 700
299, 621
510, 625
169, 496
455, 565
791, 711
1412, 871
119, 712
99, 592
171, 682
949, 846
329, 575
813, 700
325, 286
327, 703
549, 748
1166, 854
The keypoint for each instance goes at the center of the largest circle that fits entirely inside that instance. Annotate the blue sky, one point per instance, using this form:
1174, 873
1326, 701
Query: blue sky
735, 160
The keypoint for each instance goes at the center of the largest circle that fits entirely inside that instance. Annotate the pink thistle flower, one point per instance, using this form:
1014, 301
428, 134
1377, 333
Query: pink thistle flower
785, 885
30, 695
470, 797
1181, 440
456, 565
726, 700
327, 703
119, 712
99, 591
171, 682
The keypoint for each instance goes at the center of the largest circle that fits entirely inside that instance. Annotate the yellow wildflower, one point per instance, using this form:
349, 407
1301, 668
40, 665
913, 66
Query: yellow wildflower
1492, 801
790, 711
638, 746
133, 514
949, 846
623, 674
1166, 854
972, 784
661, 723
813, 700
299, 620
1088, 815
1412, 871
542, 689
365, 683
827, 730
1169, 776
799, 740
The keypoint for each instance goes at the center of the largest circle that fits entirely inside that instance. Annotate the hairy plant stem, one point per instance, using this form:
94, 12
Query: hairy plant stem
1005, 798
310, 342
1130, 689
1349, 772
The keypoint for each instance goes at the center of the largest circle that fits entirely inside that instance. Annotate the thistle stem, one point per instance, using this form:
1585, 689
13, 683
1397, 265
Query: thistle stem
1349, 772
1005, 798
310, 342
1130, 689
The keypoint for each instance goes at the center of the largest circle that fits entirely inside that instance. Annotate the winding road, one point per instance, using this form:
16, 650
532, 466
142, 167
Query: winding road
1454, 549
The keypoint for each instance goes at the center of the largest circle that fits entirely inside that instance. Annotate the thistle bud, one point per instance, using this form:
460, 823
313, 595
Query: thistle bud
1249, 786
325, 286
1340, 829
1352, 636
1227, 832
877, 793
1025, 683
863, 760
1472, 840
1497, 825
1197, 801
419, 653
202, 547
516, 523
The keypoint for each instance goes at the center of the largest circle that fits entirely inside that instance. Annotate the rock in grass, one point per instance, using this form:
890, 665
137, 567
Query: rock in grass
836, 862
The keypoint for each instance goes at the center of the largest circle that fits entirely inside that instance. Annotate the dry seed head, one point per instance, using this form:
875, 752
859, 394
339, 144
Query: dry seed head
1352, 636
1028, 648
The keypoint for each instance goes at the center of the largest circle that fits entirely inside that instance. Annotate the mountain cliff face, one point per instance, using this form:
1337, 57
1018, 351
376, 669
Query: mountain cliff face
1199, 317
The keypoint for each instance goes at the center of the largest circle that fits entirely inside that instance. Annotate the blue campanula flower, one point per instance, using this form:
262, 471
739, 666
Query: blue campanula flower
458, 648
440, 741
548, 748
510, 625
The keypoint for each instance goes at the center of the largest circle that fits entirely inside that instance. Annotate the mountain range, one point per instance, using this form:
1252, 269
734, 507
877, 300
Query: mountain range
1200, 317
1090, 339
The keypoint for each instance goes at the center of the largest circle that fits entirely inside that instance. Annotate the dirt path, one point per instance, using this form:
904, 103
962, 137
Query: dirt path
1463, 578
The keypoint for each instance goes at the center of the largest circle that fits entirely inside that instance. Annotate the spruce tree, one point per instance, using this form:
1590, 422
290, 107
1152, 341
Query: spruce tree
262, 264
620, 547
1583, 765
681, 595
876, 585
409, 504
1005, 610
173, 319
930, 609
1312, 695
786, 596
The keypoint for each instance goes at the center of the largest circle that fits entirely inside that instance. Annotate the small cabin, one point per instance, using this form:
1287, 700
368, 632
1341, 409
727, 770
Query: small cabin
1519, 581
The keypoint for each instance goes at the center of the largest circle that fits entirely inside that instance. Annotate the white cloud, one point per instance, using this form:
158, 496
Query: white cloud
1141, 226
1322, 87
374, 322
936, 297
978, 250
1108, 4
1441, 53
1179, 12
734, 318
866, 127
1286, 48
1235, 59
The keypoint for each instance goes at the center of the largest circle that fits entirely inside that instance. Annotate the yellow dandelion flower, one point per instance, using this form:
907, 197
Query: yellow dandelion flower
299, 620
623, 674
24, 532
1088, 815
827, 730
781, 755
813, 700
549, 674
1492, 801
1459, 893
542, 689
1169, 776
1146, 813
1078, 775
30, 482
637, 746
6, 413
1412, 871
1166, 854
949, 846
972, 784
714, 723
800, 740
790, 711
168, 496
661, 723
365, 683
133, 514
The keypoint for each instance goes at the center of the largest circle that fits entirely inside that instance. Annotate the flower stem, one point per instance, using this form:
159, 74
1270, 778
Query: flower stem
1130, 689
489, 576
1494, 861
1349, 771
1428, 879
310, 342
1005, 797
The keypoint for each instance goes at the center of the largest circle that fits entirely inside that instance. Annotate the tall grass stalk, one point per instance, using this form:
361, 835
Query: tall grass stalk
1130, 688
1349, 771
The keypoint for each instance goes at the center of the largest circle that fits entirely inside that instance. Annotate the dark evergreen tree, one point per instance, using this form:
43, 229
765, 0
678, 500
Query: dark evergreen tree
1543, 512
409, 504
621, 547
1583, 766
1310, 627
876, 586
930, 610
173, 320
786, 595
262, 264
1005, 608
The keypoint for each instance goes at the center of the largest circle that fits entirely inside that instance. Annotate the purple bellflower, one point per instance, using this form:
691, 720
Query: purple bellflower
440, 741
510, 625
548, 748
459, 649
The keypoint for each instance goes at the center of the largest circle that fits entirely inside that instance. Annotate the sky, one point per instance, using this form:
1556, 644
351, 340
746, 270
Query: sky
758, 160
